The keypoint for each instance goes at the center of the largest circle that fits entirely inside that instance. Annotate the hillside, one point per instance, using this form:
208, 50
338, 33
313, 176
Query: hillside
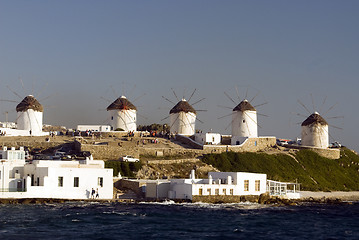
315, 173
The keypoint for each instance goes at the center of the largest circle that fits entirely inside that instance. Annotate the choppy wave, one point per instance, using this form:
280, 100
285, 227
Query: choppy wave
170, 220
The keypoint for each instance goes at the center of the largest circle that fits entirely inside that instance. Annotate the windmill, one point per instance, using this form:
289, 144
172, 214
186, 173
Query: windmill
315, 129
122, 114
183, 116
29, 114
244, 119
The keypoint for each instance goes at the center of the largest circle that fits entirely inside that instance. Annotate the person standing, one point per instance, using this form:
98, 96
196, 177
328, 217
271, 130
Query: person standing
97, 196
93, 193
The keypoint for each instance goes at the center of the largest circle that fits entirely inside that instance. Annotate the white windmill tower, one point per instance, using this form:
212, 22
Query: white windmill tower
315, 131
30, 115
183, 118
122, 114
244, 122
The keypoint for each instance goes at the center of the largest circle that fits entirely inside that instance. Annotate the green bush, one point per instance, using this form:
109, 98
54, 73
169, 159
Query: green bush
125, 168
315, 173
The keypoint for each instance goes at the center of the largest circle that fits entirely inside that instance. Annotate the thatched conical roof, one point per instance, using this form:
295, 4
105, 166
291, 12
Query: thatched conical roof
29, 102
244, 106
182, 106
121, 103
314, 118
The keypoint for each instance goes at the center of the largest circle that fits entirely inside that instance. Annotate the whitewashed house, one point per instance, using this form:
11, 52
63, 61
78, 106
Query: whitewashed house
208, 138
315, 131
52, 179
122, 115
183, 118
96, 128
219, 184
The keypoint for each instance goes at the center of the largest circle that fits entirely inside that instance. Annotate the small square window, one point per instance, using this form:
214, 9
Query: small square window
76, 181
100, 181
61, 181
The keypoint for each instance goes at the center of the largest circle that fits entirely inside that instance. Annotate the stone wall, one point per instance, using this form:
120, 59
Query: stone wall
169, 151
135, 186
331, 153
35, 144
106, 151
250, 145
225, 198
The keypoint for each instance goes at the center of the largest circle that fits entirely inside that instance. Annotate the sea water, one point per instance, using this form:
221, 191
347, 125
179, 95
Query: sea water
80, 220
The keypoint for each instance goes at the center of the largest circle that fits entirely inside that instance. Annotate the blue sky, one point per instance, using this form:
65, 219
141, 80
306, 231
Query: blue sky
80, 52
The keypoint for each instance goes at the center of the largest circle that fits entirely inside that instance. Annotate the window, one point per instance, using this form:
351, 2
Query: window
76, 181
257, 185
209, 191
200, 191
216, 191
32, 180
60, 181
100, 181
38, 181
231, 191
246, 185
255, 143
224, 192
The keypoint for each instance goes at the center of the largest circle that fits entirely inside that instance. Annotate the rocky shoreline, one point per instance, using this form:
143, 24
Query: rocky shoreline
307, 197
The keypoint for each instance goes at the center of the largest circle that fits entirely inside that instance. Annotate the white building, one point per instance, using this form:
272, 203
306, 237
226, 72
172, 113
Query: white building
208, 138
29, 116
219, 184
315, 131
96, 128
52, 179
244, 123
183, 118
122, 115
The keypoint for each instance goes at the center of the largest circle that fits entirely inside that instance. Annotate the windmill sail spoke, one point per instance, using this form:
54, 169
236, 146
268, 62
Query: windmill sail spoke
237, 93
311, 96
174, 93
336, 117
298, 114
139, 97
335, 127
229, 98
14, 92
260, 104
199, 120
4, 100
168, 100
331, 108
165, 118
107, 100
261, 114
224, 107
254, 97
252, 119
304, 106
321, 107
189, 99
225, 116
198, 101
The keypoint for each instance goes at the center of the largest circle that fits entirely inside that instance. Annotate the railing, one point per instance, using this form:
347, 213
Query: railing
12, 189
